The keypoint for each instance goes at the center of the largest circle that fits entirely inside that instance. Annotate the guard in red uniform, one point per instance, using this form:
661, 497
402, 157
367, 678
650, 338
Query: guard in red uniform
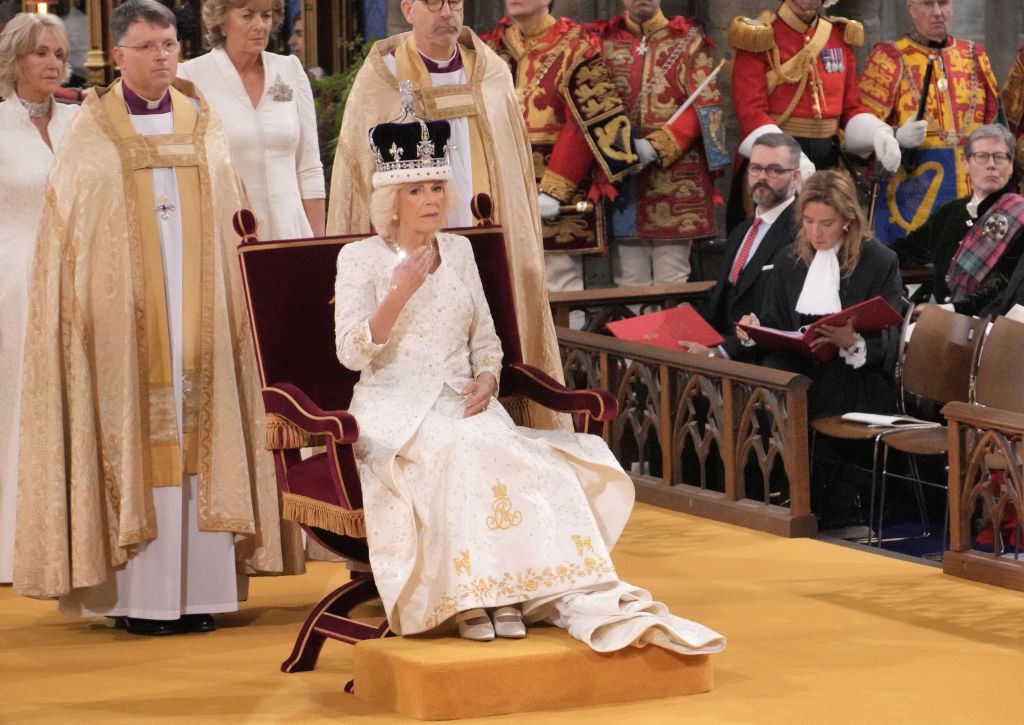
657, 64
573, 118
795, 72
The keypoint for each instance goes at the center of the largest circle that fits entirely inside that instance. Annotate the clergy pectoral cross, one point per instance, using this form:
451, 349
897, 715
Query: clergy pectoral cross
164, 208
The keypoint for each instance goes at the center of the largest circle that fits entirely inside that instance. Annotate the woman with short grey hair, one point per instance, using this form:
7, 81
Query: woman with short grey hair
33, 64
975, 242
266, 102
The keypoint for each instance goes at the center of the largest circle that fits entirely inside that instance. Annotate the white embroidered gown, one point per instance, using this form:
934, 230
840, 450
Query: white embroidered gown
25, 162
477, 512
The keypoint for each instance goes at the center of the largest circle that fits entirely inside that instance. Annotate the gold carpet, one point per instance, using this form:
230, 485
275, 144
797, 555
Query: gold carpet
818, 633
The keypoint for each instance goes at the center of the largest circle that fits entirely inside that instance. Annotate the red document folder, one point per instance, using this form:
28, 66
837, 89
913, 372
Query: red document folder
873, 315
667, 328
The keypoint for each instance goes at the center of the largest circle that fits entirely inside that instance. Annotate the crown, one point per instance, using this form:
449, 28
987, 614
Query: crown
408, 152
500, 490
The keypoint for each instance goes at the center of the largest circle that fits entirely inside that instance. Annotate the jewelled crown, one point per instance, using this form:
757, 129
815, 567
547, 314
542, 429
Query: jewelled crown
406, 152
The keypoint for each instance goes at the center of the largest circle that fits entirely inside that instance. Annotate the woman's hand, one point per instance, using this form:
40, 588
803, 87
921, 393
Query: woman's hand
842, 336
479, 393
411, 273
697, 349
751, 320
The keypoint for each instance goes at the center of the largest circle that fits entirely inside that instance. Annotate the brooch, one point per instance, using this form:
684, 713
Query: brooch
997, 226
280, 91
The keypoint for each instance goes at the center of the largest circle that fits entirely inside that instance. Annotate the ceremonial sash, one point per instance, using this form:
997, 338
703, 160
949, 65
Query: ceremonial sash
449, 102
168, 456
984, 246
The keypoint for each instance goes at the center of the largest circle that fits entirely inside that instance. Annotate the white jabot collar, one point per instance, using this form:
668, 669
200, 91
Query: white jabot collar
973, 204
820, 295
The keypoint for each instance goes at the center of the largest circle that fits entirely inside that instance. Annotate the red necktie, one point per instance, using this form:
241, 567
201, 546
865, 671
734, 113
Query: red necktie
741, 256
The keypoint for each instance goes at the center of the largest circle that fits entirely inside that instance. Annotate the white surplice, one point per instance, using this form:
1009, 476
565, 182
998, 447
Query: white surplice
274, 145
25, 162
183, 570
477, 512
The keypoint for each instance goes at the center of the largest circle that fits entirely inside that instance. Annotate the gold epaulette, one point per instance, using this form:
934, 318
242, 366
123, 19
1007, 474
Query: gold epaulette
753, 36
853, 30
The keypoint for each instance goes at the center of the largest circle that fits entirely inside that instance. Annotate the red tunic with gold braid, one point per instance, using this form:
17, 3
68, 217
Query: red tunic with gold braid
655, 67
963, 93
573, 116
800, 77
1013, 104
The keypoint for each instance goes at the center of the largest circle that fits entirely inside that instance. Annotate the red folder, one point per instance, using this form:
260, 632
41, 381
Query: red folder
667, 328
873, 315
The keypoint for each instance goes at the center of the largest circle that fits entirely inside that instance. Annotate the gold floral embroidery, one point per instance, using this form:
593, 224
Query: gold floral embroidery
518, 586
462, 563
583, 544
504, 517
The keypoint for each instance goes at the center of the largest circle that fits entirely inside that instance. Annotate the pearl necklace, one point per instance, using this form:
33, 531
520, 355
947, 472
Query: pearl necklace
37, 109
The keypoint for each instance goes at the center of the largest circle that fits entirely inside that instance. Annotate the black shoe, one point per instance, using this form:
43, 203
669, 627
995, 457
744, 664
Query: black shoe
147, 627
196, 623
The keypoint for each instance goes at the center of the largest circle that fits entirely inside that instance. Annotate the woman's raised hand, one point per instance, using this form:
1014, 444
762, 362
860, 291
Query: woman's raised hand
412, 272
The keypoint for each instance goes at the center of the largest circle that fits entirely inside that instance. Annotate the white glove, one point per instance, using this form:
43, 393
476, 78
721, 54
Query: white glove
645, 150
807, 169
912, 133
887, 149
548, 206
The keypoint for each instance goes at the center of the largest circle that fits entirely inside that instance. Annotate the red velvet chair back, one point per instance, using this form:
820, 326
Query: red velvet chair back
290, 288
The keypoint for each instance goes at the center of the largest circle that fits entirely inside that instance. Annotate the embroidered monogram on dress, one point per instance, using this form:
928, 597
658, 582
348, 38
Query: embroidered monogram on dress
281, 91
504, 517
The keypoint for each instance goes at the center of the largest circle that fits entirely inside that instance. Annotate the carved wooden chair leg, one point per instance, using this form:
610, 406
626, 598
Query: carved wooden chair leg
329, 619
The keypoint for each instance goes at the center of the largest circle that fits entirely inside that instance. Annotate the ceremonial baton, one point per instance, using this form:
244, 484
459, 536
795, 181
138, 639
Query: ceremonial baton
580, 207
926, 87
697, 91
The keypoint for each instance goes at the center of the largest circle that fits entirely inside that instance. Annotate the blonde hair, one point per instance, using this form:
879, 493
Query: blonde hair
19, 38
384, 206
835, 189
215, 12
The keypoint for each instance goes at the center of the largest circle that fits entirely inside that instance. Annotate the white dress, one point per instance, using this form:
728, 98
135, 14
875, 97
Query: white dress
274, 146
183, 570
25, 162
477, 512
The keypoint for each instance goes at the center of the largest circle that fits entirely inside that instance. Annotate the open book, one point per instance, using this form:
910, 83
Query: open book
875, 420
667, 328
873, 315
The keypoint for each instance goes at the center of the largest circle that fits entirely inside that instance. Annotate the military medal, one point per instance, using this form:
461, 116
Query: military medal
641, 49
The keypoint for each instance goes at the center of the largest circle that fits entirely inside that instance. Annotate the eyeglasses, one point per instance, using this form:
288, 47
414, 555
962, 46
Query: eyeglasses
983, 157
435, 6
168, 47
775, 172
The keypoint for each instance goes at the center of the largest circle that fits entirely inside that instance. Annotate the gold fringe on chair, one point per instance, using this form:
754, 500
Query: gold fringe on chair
282, 434
519, 410
321, 515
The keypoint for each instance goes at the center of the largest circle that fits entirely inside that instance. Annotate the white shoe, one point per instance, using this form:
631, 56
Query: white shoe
508, 622
474, 624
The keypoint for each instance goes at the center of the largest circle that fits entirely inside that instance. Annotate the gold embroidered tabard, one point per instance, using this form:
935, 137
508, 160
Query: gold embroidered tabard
448, 103
169, 457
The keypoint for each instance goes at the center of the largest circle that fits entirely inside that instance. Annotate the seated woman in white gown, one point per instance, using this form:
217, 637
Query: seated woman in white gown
468, 515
